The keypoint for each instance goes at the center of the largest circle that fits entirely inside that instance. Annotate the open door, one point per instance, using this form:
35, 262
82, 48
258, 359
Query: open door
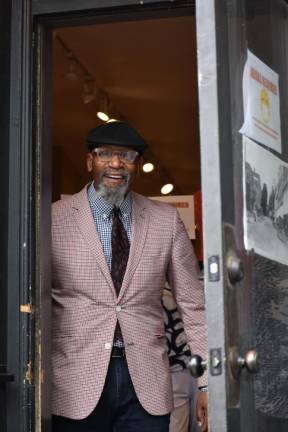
242, 70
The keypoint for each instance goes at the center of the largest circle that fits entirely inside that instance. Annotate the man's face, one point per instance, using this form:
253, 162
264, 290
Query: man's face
112, 175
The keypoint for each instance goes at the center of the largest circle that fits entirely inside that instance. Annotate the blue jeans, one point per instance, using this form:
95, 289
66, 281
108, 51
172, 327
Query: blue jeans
118, 409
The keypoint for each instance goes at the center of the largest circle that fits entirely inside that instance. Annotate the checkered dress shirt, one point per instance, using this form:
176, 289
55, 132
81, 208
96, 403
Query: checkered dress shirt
102, 215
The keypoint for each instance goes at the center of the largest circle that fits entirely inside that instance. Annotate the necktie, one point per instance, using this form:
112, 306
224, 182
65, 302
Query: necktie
120, 253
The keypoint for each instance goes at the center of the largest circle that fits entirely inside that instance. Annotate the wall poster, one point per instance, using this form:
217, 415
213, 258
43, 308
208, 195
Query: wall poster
265, 183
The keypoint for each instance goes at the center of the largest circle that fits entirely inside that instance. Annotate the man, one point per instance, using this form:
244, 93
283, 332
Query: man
112, 251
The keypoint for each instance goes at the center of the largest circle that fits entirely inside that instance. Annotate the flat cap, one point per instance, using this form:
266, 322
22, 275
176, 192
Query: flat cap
118, 134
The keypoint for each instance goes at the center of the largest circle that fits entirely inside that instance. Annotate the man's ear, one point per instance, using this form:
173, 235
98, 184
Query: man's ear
89, 162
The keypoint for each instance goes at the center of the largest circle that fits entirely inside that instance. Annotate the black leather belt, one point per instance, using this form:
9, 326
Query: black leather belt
117, 352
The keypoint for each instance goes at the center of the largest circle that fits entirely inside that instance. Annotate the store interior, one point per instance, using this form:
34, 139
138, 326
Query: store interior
140, 71
143, 72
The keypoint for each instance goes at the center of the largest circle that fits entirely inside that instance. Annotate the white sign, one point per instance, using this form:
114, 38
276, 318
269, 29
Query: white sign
261, 103
185, 207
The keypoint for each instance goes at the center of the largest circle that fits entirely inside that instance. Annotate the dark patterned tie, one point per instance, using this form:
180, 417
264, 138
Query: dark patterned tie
120, 253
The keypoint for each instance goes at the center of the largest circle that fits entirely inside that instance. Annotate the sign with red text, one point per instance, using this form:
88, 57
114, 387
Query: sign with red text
261, 103
185, 206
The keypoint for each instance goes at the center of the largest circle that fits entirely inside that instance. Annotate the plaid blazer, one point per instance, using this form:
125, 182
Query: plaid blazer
85, 307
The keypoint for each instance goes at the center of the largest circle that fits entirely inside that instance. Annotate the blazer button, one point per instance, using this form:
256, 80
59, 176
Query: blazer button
118, 308
107, 345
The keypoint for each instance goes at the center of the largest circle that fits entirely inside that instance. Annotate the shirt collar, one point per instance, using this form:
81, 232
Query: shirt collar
103, 208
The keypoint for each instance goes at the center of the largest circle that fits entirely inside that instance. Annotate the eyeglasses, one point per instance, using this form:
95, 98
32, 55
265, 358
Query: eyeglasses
125, 156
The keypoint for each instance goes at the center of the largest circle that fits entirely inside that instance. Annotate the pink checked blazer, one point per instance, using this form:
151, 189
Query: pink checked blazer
85, 307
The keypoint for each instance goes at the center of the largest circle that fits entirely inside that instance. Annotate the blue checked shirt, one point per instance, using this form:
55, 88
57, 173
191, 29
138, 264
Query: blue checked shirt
102, 215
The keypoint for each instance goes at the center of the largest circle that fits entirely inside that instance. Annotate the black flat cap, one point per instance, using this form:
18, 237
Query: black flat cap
118, 134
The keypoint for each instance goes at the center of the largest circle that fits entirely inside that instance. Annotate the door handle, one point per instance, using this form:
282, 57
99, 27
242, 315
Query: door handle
197, 366
250, 362
235, 268
5, 376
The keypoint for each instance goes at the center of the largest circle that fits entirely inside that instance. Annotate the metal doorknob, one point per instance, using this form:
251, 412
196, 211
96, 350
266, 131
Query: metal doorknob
250, 362
235, 268
197, 366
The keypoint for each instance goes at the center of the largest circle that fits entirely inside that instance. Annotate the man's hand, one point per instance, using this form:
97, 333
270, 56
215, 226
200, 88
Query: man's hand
202, 411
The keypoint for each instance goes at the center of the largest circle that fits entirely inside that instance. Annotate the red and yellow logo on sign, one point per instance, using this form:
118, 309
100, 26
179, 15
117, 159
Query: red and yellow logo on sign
265, 106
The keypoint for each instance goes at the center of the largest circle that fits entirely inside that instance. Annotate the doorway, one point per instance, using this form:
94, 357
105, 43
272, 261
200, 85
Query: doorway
142, 71
226, 30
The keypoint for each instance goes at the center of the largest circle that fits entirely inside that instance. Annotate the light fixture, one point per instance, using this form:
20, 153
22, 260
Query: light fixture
148, 167
72, 73
167, 188
103, 116
111, 120
89, 89
102, 113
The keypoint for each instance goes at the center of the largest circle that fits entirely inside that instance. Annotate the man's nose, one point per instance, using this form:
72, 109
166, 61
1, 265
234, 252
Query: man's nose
115, 161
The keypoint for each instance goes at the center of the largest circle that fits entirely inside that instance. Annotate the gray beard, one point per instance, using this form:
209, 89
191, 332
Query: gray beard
113, 195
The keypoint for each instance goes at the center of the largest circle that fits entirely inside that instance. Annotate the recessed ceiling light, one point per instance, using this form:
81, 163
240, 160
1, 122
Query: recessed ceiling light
166, 189
148, 167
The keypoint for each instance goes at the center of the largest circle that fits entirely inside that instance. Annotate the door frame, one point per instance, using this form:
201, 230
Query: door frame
4, 187
17, 206
211, 202
30, 188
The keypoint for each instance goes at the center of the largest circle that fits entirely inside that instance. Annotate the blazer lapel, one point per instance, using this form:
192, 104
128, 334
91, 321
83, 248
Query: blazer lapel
140, 223
85, 222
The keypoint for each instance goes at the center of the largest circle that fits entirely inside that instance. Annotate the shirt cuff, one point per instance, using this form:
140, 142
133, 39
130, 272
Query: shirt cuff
203, 388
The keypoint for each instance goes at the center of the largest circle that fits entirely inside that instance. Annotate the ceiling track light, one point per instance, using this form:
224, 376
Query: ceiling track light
151, 164
76, 69
148, 167
167, 189
89, 91
103, 111
103, 116
72, 73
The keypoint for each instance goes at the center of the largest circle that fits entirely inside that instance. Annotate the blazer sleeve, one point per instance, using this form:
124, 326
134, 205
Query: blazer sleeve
188, 291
